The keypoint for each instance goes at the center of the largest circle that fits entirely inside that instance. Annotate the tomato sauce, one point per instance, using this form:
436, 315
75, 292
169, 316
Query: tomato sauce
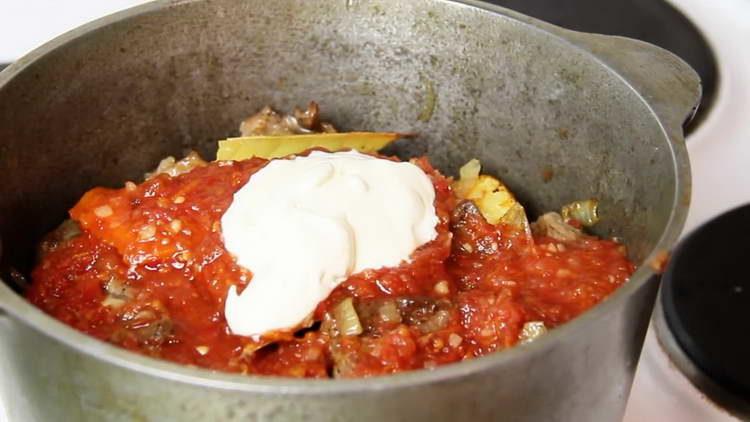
149, 272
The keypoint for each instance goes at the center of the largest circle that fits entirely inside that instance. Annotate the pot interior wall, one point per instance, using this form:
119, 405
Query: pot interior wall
107, 106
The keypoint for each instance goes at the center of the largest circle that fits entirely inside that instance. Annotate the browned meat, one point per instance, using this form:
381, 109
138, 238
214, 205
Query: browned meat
268, 122
426, 314
150, 326
552, 224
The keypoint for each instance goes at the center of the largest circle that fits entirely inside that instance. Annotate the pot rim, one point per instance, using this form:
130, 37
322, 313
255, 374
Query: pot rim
30, 315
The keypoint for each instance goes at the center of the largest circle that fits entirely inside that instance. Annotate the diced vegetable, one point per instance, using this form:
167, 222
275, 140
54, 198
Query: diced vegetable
531, 331
435, 322
496, 203
389, 313
280, 146
585, 212
173, 167
467, 177
347, 320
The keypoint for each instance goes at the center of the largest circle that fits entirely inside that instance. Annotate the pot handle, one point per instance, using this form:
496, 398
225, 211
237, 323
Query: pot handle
669, 85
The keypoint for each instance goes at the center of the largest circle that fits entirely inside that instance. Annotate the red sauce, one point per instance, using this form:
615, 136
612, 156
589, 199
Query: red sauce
150, 273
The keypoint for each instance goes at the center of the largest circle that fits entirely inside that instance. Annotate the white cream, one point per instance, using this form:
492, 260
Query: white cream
302, 226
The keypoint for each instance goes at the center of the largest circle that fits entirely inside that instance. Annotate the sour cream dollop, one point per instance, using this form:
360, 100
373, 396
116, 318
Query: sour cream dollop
303, 225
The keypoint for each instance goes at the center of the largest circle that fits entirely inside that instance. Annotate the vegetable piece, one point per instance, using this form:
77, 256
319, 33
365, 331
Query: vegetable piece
173, 167
467, 177
531, 331
388, 312
280, 146
439, 320
585, 212
377, 314
496, 203
347, 320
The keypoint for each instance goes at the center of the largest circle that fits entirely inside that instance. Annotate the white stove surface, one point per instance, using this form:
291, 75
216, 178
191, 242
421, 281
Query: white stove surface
27, 24
719, 152
720, 162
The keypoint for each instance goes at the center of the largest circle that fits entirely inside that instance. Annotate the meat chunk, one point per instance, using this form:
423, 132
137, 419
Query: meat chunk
424, 313
552, 225
268, 122
149, 326
378, 313
464, 211
69, 229
118, 292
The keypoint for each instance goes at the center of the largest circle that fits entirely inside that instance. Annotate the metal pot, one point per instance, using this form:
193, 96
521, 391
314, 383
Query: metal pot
557, 114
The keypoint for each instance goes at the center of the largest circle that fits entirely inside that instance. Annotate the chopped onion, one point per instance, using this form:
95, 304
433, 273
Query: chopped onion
347, 320
585, 212
436, 322
531, 331
454, 340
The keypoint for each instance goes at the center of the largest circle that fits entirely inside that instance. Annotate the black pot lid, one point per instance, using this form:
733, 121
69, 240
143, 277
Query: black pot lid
706, 299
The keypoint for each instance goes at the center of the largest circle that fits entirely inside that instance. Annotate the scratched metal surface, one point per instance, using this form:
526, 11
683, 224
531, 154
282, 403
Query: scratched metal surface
528, 99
